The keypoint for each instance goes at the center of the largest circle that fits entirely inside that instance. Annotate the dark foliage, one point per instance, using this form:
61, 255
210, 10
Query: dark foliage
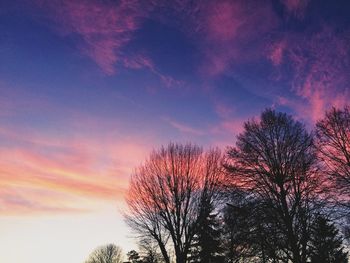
326, 244
207, 242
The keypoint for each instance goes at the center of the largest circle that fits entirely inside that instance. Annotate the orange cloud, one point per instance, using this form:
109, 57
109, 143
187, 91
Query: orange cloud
68, 172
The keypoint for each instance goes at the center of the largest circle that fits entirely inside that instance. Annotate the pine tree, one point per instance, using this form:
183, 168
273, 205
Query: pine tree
326, 244
133, 256
207, 242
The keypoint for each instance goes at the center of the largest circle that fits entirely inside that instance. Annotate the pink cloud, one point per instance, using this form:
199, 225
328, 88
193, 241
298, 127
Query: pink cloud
223, 110
320, 99
276, 53
222, 30
233, 126
142, 61
320, 64
71, 172
224, 132
230, 123
104, 27
183, 128
170, 82
322, 77
138, 62
228, 28
296, 7
21, 200
224, 20
30, 168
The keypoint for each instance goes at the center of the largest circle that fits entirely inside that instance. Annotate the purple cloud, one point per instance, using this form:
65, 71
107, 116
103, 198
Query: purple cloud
296, 8
104, 27
320, 64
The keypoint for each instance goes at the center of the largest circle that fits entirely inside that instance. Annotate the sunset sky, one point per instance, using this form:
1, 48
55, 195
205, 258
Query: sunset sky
89, 88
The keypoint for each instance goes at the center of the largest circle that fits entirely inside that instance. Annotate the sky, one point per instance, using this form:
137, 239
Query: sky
89, 87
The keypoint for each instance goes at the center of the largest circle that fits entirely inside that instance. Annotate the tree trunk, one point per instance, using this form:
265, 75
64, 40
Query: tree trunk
164, 252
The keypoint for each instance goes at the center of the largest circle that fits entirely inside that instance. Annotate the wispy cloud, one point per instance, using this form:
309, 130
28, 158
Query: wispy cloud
144, 62
276, 52
74, 169
184, 128
20, 200
230, 123
231, 26
105, 27
221, 30
320, 64
296, 8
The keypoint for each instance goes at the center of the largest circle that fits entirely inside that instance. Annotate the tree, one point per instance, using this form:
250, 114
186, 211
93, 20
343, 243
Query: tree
249, 237
165, 194
274, 160
326, 244
333, 144
149, 250
133, 256
150, 257
207, 247
106, 254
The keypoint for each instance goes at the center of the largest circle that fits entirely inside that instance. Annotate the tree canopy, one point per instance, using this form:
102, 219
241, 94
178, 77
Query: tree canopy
165, 195
106, 254
268, 199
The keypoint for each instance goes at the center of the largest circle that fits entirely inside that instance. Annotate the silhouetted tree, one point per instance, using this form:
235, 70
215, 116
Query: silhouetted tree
133, 256
106, 254
165, 194
239, 242
326, 244
274, 160
150, 257
206, 246
249, 235
333, 144
150, 251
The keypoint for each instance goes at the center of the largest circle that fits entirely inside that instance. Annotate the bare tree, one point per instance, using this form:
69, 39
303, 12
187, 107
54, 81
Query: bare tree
106, 254
333, 143
274, 159
150, 250
165, 194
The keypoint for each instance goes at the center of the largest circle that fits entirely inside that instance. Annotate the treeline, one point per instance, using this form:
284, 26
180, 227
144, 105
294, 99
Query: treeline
279, 194
111, 253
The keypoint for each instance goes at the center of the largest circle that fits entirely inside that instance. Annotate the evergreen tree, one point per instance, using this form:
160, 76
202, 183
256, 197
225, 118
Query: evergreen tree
133, 256
326, 244
207, 242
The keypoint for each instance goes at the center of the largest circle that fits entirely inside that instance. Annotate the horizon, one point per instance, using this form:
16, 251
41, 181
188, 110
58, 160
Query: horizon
89, 88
